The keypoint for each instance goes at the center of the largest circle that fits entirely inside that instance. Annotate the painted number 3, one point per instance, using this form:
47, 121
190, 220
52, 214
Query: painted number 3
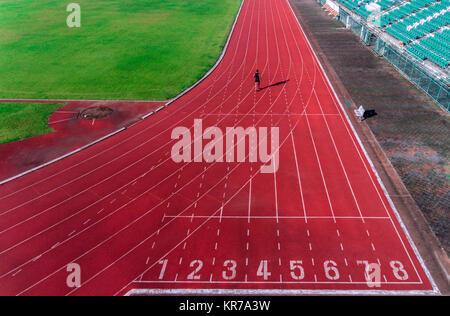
230, 273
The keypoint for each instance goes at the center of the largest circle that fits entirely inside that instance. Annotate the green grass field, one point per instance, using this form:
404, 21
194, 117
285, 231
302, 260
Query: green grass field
125, 49
22, 120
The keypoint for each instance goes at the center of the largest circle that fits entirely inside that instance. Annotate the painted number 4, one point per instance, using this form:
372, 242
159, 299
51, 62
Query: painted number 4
331, 272
263, 270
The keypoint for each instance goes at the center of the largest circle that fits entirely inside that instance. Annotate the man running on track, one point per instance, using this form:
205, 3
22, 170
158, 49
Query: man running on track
257, 81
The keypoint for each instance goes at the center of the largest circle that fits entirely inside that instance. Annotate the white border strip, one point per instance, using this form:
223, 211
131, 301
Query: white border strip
153, 112
413, 246
62, 157
208, 73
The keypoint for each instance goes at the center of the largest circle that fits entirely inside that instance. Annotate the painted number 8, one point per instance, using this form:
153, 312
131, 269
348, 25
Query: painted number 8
331, 272
399, 271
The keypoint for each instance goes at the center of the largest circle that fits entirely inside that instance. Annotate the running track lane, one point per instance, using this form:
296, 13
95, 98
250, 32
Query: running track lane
135, 220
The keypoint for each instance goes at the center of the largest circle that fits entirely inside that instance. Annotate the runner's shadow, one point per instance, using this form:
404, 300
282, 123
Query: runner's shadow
274, 84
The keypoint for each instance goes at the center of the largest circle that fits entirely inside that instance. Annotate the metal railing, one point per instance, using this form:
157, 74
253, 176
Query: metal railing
413, 70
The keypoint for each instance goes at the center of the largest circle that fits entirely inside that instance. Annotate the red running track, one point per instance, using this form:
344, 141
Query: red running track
133, 219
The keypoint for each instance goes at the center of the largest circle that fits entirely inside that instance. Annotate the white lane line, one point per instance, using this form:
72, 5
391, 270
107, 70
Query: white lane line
203, 175
276, 195
380, 182
53, 161
127, 167
249, 200
283, 217
179, 109
340, 160
298, 177
320, 167
98, 245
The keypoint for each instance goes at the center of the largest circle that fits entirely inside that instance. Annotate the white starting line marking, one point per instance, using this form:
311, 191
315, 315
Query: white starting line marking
279, 217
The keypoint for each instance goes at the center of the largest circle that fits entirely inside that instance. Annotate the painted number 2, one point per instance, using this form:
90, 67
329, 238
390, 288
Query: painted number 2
263, 270
198, 264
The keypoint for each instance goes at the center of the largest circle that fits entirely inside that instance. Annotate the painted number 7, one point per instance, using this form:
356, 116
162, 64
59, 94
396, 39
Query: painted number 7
163, 268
